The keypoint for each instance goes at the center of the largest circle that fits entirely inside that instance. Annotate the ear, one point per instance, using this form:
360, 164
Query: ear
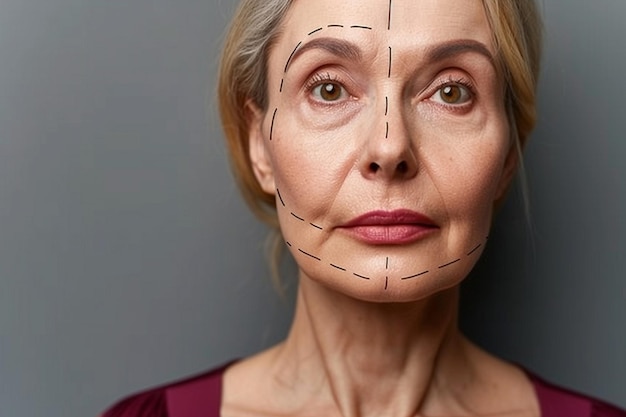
508, 172
261, 164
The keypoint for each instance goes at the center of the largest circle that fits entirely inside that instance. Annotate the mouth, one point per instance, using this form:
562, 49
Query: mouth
396, 227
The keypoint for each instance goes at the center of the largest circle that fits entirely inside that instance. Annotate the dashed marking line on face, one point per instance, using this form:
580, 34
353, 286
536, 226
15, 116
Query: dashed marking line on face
338, 267
291, 56
387, 112
309, 255
475, 249
272, 126
280, 197
297, 217
449, 263
361, 276
415, 276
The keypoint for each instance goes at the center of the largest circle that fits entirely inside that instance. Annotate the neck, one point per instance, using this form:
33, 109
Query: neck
359, 358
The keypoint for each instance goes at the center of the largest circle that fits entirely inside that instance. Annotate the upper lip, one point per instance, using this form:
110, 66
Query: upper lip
395, 217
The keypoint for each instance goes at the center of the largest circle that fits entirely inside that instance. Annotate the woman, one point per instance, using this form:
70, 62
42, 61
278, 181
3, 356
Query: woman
378, 136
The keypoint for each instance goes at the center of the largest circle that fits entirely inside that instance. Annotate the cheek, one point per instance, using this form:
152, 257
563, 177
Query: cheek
466, 166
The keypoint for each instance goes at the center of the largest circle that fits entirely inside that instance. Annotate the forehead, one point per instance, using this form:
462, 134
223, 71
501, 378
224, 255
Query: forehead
409, 23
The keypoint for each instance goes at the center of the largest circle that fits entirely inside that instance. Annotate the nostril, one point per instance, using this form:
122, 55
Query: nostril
374, 167
402, 167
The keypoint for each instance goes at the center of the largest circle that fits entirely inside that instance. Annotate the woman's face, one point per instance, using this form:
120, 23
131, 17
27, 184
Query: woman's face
385, 142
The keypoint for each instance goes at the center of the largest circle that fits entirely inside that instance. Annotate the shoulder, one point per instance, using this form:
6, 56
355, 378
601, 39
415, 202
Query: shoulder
196, 395
557, 401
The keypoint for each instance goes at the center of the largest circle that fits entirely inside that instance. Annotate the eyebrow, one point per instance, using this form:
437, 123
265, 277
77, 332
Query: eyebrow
348, 50
338, 47
450, 49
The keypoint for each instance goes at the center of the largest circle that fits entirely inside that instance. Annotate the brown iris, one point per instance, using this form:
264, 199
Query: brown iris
451, 94
330, 91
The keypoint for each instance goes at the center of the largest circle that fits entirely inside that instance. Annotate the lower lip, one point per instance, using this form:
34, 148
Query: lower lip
391, 234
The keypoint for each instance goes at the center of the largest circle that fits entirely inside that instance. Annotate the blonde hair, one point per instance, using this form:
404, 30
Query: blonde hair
516, 28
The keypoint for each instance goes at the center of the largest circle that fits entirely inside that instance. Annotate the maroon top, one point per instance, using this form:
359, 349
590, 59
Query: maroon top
201, 396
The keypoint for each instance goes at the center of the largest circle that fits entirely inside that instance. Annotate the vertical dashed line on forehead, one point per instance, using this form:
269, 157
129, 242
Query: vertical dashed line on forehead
389, 69
389, 16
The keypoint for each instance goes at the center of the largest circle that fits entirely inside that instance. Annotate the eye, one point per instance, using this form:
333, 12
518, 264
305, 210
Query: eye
452, 94
328, 91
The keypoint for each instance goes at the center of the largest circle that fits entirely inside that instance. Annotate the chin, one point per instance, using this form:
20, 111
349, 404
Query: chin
391, 289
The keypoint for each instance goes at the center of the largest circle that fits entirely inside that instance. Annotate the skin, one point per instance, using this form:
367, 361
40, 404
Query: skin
347, 134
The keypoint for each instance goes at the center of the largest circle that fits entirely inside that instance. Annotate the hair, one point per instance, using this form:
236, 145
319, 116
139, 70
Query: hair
516, 28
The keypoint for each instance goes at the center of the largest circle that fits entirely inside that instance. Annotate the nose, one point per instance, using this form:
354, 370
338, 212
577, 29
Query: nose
389, 153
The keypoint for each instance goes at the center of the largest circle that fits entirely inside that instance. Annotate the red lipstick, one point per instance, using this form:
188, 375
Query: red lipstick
395, 227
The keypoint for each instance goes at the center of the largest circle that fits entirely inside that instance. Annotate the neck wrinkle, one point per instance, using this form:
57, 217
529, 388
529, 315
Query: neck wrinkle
365, 359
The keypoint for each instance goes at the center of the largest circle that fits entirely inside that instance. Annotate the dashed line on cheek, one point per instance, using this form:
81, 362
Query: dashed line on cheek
297, 217
280, 197
449, 263
272, 126
338, 267
361, 276
309, 255
475, 249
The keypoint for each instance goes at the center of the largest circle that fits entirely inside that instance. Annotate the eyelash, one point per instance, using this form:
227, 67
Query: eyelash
320, 78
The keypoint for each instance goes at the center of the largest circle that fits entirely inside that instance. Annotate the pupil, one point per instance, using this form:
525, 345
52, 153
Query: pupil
451, 94
330, 92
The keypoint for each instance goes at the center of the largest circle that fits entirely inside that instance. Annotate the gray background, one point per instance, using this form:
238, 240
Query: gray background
127, 257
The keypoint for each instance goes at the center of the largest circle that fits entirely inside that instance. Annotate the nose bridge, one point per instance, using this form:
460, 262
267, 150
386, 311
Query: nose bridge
389, 152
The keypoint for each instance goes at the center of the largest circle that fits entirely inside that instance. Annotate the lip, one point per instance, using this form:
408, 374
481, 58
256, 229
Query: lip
395, 227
